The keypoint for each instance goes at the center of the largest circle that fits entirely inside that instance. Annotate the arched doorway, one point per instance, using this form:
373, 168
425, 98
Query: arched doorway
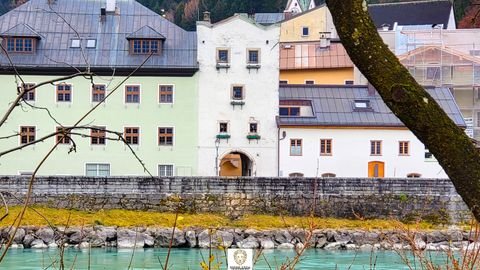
236, 164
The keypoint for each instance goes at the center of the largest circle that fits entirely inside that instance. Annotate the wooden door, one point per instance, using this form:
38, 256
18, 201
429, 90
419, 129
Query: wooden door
376, 169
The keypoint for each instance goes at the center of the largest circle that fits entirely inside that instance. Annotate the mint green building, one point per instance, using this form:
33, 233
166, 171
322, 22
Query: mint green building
154, 110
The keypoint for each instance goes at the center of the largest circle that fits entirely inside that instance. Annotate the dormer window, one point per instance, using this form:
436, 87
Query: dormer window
145, 46
91, 43
20, 44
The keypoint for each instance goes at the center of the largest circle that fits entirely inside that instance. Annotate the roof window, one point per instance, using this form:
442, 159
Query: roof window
362, 105
91, 43
75, 43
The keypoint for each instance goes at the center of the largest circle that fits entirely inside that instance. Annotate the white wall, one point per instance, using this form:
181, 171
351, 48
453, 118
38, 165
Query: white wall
351, 153
261, 93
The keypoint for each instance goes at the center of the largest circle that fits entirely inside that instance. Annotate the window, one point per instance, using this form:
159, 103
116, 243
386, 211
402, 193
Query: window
19, 44
326, 147
132, 135
165, 136
305, 31
309, 82
165, 93
223, 127
289, 111
27, 134
433, 73
328, 175
253, 56
375, 148
222, 56
97, 135
237, 92
97, 169
253, 127
296, 174
295, 147
349, 82
29, 94
429, 155
403, 148
283, 82
91, 43
132, 94
145, 46
64, 92
64, 136
75, 43
98, 92
362, 104
165, 170
414, 175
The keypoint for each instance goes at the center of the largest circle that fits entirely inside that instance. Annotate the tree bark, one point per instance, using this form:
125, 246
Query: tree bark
408, 100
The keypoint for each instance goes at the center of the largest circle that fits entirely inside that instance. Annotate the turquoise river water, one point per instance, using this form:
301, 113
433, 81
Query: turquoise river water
191, 258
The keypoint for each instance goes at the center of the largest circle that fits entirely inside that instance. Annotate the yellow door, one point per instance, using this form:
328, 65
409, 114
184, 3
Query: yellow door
376, 169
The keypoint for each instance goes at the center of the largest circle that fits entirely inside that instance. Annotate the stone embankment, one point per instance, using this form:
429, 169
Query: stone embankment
100, 236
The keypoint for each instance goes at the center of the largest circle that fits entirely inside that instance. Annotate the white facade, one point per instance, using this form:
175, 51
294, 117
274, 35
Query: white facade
351, 153
259, 103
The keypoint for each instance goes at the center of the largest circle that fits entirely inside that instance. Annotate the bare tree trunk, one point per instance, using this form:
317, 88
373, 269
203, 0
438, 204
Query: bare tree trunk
408, 100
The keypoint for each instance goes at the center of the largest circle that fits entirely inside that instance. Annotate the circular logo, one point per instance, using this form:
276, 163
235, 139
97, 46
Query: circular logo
240, 256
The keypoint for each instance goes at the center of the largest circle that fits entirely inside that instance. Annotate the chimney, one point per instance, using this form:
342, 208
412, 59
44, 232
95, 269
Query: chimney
103, 14
206, 16
111, 5
325, 39
371, 90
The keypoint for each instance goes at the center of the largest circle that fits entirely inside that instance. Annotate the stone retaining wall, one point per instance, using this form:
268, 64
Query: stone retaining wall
407, 199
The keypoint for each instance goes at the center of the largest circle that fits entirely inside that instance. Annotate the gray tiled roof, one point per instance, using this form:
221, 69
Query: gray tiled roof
145, 32
334, 106
411, 13
112, 51
269, 18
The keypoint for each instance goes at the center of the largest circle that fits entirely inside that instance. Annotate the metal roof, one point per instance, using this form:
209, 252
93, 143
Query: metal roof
411, 13
269, 18
59, 23
334, 106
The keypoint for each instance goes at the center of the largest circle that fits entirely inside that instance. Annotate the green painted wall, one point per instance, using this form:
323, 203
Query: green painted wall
115, 115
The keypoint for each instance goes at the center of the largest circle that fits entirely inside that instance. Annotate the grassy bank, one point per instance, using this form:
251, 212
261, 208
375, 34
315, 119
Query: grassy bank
125, 218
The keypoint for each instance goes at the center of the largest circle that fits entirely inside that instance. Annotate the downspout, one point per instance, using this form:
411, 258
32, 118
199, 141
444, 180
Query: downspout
284, 135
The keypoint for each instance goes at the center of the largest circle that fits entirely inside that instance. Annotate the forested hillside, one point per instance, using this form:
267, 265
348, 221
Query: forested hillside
186, 12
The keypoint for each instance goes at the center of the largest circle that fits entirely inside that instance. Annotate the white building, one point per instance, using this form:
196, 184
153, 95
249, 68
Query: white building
348, 131
299, 6
238, 97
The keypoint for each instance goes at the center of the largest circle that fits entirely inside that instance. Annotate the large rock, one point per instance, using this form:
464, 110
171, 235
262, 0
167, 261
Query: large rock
75, 236
283, 236
286, 246
38, 244
27, 240
267, 244
46, 234
102, 235
218, 238
321, 241
436, 237
250, 242
19, 235
164, 237
191, 238
130, 239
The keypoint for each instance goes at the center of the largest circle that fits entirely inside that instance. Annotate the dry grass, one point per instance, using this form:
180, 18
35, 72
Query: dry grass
126, 218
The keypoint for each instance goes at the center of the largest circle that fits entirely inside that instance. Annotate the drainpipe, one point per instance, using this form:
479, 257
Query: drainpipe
217, 144
284, 135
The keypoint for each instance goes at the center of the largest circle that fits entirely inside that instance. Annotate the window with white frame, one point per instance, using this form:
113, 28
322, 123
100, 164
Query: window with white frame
97, 169
165, 170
